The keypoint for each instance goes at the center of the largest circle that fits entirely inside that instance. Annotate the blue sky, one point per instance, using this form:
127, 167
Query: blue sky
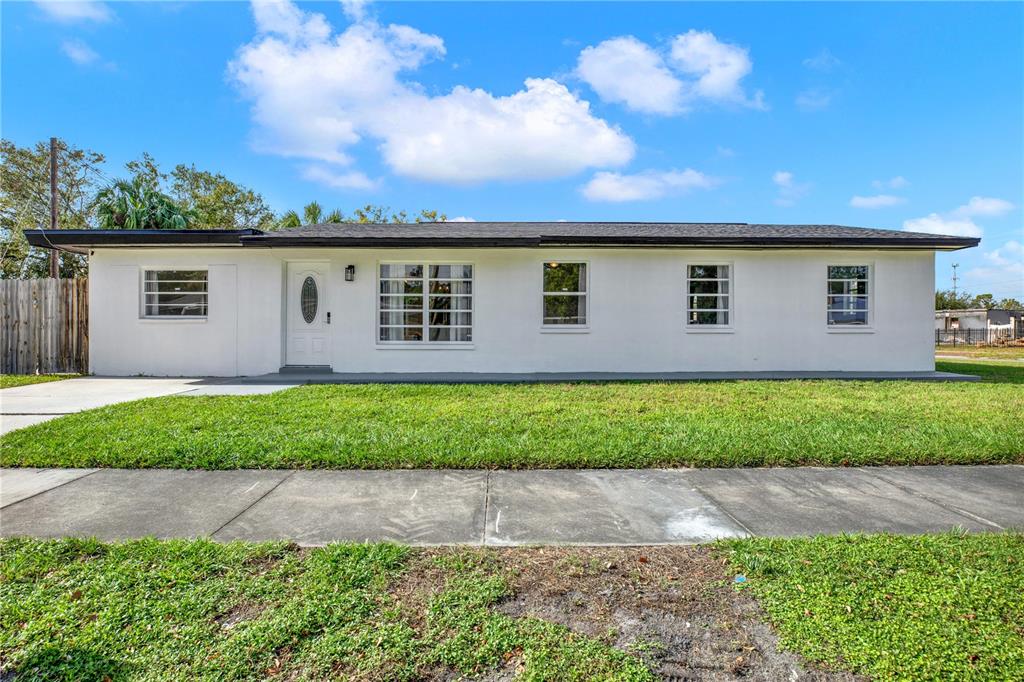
903, 116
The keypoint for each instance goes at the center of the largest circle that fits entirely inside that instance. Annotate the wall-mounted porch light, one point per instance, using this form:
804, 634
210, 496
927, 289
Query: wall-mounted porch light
350, 273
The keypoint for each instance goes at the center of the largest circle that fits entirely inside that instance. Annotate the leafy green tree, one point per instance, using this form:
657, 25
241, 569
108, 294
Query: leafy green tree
382, 214
137, 204
25, 204
312, 214
986, 301
947, 300
217, 202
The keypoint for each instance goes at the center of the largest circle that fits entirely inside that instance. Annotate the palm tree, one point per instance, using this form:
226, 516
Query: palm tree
312, 214
138, 205
290, 219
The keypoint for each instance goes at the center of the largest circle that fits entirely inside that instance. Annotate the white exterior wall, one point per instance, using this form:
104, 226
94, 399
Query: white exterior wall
635, 310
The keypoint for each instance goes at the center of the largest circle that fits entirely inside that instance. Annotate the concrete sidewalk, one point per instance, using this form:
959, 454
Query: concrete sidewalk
426, 507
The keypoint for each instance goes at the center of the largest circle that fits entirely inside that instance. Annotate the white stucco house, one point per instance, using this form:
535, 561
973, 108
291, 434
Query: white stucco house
509, 298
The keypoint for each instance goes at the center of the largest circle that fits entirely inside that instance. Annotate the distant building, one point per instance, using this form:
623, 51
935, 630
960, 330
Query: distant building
998, 322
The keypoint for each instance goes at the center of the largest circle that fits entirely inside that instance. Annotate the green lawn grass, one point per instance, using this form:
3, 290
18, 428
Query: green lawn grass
13, 380
936, 607
187, 610
623, 425
987, 352
990, 371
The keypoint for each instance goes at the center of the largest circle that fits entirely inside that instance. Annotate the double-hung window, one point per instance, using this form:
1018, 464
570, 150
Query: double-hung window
847, 301
565, 294
175, 293
424, 303
708, 296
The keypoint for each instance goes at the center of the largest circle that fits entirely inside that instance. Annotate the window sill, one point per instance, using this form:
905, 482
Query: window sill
173, 320
565, 329
709, 329
425, 346
849, 330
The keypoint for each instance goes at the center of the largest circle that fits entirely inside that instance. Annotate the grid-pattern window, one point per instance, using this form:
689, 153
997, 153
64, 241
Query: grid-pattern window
847, 295
565, 294
708, 295
426, 303
174, 293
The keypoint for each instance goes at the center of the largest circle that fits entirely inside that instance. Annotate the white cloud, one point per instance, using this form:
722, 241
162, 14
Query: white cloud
959, 222
628, 71
78, 52
1010, 253
823, 61
876, 201
316, 93
355, 9
617, 187
933, 223
790, 191
71, 11
985, 207
461, 219
338, 180
725, 152
813, 100
898, 182
1004, 275
719, 67
697, 67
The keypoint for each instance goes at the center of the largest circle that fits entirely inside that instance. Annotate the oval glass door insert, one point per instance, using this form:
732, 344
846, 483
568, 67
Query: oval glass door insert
308, 300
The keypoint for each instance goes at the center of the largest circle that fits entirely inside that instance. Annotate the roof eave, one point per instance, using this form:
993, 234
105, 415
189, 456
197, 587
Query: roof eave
81, 240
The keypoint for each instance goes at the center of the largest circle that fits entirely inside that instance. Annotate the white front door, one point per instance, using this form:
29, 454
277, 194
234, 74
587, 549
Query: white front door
308, 332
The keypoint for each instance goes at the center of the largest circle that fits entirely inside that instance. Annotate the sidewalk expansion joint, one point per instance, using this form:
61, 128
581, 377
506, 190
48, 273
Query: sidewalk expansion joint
59, 485
254, 503
721, 507
936, 502
487, 504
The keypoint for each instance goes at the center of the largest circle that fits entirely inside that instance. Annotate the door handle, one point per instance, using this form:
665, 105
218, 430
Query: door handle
328, 318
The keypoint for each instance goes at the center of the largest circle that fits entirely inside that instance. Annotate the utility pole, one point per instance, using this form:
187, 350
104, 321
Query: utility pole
54, 271
955, 266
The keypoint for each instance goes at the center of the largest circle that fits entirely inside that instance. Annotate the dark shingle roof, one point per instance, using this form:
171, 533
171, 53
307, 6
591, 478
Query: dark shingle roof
631, 234
513, 234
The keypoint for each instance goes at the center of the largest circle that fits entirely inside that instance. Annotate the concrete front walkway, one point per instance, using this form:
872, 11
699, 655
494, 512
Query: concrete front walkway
26, 405
426, 507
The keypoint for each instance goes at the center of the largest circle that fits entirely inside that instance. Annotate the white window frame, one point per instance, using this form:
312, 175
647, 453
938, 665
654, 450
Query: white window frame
566, 328
172, 318
717, 328
426, 342
869, 326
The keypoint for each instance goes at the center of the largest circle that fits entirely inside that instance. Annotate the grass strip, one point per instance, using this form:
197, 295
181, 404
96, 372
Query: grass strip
598, 425
15, 380
930, 607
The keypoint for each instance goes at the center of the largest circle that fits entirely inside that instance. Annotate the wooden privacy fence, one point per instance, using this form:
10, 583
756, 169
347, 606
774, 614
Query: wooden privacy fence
44, 326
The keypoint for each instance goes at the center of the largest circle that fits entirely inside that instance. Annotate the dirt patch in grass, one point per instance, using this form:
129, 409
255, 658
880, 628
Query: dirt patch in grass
239, 613
674, 607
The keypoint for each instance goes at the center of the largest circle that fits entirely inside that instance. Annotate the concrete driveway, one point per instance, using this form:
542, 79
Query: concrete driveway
27, 405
